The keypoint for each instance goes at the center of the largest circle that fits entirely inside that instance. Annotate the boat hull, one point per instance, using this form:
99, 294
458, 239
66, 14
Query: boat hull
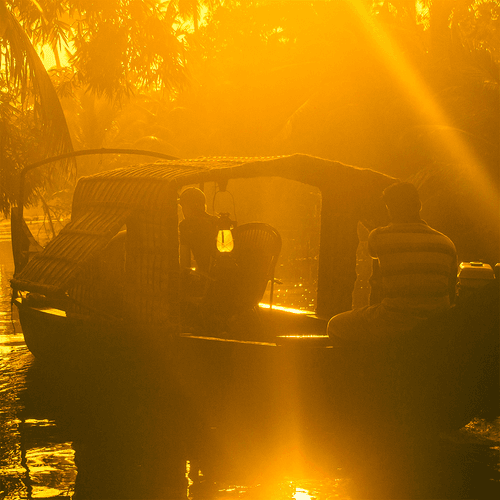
53, 337
437, 377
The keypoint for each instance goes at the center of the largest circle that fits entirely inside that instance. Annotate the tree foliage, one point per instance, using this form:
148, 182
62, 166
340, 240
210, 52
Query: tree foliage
32, 120
266, 77
113, 48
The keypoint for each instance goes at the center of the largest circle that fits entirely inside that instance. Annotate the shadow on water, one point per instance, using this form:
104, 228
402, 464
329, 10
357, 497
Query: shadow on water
130, 430
136, 436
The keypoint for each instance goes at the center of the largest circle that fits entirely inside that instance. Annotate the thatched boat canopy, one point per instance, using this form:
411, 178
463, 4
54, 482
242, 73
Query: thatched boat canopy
144, 197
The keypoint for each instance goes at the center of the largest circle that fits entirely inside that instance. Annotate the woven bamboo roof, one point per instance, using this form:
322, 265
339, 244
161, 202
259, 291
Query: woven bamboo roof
103, 202
303, 168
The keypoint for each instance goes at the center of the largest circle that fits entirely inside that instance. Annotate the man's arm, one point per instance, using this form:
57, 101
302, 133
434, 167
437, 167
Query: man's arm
376, 277
375, 284
452, 281
184, 257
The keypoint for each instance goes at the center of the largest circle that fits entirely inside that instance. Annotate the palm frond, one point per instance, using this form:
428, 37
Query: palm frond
25, 75
25, 69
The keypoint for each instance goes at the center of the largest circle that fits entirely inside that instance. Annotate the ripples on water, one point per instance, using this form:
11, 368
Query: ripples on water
33, 463
121, 431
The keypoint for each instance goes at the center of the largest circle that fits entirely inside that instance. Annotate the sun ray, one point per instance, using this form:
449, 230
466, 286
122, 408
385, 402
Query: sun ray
428, 106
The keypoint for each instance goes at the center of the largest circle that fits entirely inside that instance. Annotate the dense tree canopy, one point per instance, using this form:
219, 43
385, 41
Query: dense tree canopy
113, 45
407, 87
112, 48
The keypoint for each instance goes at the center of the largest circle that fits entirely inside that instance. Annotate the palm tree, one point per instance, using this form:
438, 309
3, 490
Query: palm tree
118, 48
32, 120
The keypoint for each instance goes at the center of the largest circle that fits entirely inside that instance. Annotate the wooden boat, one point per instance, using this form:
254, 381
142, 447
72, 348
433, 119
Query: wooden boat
93, 292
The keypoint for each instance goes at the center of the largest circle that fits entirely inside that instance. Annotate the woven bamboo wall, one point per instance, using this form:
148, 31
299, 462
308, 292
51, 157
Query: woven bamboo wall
152, 265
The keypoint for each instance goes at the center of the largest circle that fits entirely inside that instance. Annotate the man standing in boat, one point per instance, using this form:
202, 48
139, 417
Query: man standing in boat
414, 273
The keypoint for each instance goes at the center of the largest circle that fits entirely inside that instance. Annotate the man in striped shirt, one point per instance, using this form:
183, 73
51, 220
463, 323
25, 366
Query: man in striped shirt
414, 274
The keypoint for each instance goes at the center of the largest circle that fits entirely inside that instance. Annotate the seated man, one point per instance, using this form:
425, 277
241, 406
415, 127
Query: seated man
417, 266
202, 297
197, 232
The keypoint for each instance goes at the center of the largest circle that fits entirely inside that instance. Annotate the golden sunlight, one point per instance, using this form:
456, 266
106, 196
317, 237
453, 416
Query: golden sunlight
50, 60
282, 308
301, 494
422, 10
426, 104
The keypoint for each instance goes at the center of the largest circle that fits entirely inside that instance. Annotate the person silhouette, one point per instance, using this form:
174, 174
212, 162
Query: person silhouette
198, 239
197, 231
414, 274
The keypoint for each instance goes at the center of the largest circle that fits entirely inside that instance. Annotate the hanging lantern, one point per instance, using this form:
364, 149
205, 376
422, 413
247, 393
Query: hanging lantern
225, 243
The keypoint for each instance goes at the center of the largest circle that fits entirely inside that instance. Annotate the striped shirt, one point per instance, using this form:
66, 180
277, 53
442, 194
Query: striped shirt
418, 266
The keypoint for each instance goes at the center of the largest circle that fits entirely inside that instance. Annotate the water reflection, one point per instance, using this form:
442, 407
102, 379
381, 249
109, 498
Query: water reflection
127, 441
124, 429
135, 435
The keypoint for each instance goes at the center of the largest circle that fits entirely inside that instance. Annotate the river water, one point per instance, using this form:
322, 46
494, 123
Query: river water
118, 431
